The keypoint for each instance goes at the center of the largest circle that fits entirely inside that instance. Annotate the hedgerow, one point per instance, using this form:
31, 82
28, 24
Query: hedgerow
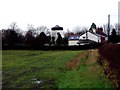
110, 57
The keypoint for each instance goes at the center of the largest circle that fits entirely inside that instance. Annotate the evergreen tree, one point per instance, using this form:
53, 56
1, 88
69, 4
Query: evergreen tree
59, 39
29, 38
113, 38
41, 39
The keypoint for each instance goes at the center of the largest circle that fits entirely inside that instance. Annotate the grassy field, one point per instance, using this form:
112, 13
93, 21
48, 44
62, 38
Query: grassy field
52, 69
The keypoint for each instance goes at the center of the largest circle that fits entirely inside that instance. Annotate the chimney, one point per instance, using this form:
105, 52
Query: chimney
108, 25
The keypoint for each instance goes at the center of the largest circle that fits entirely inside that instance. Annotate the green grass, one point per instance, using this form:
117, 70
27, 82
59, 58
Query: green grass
87, 76
46, 69
21, 67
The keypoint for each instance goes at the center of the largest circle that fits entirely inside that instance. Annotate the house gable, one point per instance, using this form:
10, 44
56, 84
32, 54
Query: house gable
89, 36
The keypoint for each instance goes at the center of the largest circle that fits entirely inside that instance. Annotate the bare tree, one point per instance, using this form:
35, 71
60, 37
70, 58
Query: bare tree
117, 28
105, 28
76, 29
43, 29
79, 30
13, 26
31, 29
84, 29
68, 31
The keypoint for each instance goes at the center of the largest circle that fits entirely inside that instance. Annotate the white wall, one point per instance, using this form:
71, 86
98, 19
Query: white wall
106, 38
73, 42
93, 37
82, 36
90, 36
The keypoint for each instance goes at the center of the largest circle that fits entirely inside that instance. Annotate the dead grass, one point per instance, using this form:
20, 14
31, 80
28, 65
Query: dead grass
90, 73
74, 63
91, 55
89, 58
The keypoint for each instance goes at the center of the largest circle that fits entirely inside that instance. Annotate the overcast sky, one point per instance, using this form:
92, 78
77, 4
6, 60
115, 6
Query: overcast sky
66, 13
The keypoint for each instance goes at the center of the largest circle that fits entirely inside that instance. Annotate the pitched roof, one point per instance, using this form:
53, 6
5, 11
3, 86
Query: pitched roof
57, 27
74, 37
97, 33
89, 32
101, 33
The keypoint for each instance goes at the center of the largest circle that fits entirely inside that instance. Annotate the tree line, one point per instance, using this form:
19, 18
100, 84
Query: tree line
13, 37
40, 36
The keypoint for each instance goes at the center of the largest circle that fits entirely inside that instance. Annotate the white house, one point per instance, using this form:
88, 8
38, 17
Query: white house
85, 38
89, 37
73, 40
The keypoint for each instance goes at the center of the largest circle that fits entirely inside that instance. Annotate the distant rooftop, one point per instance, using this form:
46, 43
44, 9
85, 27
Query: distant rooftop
74, 37
57, 27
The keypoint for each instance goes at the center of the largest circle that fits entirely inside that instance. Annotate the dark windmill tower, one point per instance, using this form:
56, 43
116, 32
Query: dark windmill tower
55, 30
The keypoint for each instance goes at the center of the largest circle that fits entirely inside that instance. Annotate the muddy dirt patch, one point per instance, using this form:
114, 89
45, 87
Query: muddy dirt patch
74, 63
